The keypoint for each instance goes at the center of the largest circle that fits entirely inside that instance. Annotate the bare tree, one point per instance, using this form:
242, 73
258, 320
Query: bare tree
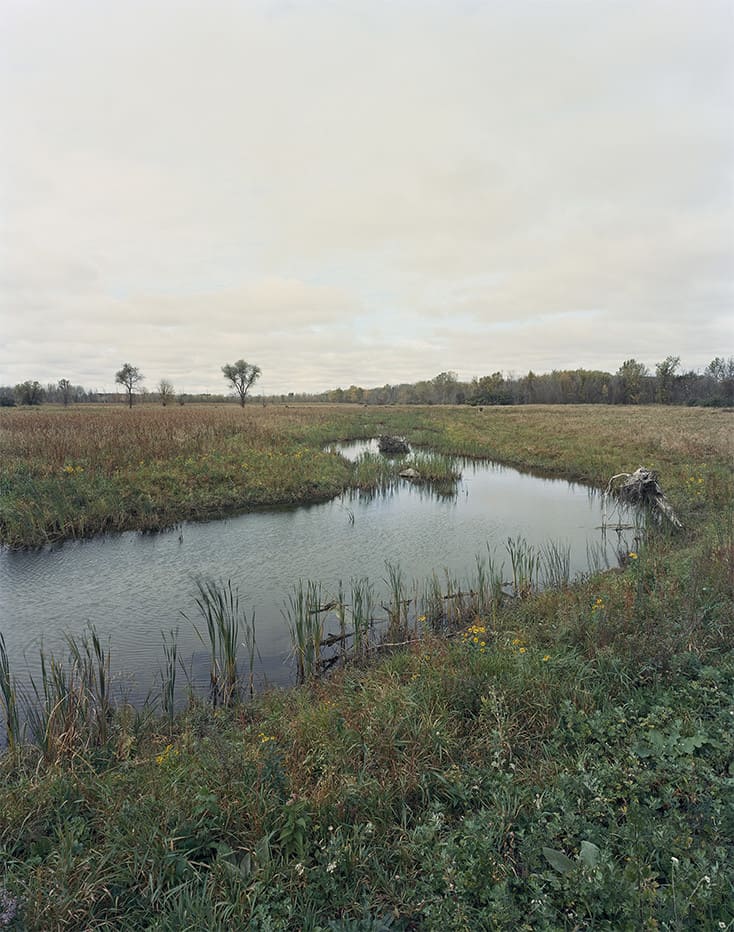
242, 375
65, 389
129, 376
165, 391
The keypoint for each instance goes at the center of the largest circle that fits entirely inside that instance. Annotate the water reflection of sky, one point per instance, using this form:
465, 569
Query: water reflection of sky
132, 586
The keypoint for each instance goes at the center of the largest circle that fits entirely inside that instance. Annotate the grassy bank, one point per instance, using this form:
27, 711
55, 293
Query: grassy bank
79, 472
563, 762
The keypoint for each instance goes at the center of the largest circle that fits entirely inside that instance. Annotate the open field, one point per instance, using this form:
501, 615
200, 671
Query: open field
78, 472
564, 762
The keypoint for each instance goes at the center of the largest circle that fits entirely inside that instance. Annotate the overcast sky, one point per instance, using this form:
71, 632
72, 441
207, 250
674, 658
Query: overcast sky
363, 192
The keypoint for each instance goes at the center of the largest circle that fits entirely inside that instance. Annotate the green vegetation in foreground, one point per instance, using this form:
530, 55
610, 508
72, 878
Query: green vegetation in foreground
565, 762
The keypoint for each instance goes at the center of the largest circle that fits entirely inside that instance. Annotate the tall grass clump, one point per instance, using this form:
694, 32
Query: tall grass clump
398, 605
555, 561
9, 698
70, 707
303, 614
488, 584
168, 674
363, 601
373, 472
219, 606
525, 562
434, 467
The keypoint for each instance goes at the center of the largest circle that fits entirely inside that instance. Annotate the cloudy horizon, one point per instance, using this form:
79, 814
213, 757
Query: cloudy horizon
363, 193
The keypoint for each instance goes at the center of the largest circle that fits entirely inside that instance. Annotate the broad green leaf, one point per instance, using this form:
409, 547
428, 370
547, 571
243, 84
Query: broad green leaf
589, 854
558, 860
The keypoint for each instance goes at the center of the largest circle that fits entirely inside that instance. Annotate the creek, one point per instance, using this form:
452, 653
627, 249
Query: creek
133, 586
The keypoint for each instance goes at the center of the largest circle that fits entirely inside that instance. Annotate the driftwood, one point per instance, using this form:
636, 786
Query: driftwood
392, 446
332, 639
642, 488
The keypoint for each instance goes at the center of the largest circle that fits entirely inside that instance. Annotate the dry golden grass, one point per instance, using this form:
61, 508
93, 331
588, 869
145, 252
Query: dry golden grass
152, 466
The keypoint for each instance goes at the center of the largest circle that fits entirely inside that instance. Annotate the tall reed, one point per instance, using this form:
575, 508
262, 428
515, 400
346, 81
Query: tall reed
432, 609
340, 610
168, 674
525, 563
71, 706
9, 698
363, 600
397, 609
92, 662
555, 559
489, 584
302, 612
219, 606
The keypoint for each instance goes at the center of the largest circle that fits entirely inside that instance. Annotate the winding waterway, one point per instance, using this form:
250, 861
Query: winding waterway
133, 586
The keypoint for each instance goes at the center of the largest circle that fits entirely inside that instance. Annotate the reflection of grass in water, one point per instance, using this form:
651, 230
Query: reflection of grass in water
433, 467
375, 473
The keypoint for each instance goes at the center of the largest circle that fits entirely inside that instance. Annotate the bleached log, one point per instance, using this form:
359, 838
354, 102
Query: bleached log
642, 488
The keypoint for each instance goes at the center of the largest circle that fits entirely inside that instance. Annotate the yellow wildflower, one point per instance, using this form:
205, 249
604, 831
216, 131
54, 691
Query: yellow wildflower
168, 751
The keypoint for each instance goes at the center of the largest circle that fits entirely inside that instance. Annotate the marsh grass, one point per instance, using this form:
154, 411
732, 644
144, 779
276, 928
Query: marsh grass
363, 605
168, 674
398, 607
525, 563
70, 708
78, 472
225, 621
594, 723
445, 764
304, 617
433, 467
555, 561
9, 698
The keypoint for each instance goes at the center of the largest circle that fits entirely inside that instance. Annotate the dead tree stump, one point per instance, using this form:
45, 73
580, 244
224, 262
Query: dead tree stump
642, 488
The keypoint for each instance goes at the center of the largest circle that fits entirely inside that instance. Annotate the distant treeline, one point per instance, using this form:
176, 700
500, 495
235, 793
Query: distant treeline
33, 393
633, 383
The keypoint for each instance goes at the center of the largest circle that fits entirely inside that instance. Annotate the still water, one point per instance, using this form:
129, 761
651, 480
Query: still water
133, 586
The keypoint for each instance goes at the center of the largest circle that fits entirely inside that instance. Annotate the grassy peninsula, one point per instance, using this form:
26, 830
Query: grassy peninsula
564, 760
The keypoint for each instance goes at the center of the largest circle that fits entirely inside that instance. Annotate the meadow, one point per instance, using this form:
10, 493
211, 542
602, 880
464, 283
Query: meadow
77, 472
558, 759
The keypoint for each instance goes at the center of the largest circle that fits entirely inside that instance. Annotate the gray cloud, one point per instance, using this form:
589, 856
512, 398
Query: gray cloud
363, 192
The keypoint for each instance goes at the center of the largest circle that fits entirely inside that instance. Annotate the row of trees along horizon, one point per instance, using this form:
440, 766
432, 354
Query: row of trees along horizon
633, 383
